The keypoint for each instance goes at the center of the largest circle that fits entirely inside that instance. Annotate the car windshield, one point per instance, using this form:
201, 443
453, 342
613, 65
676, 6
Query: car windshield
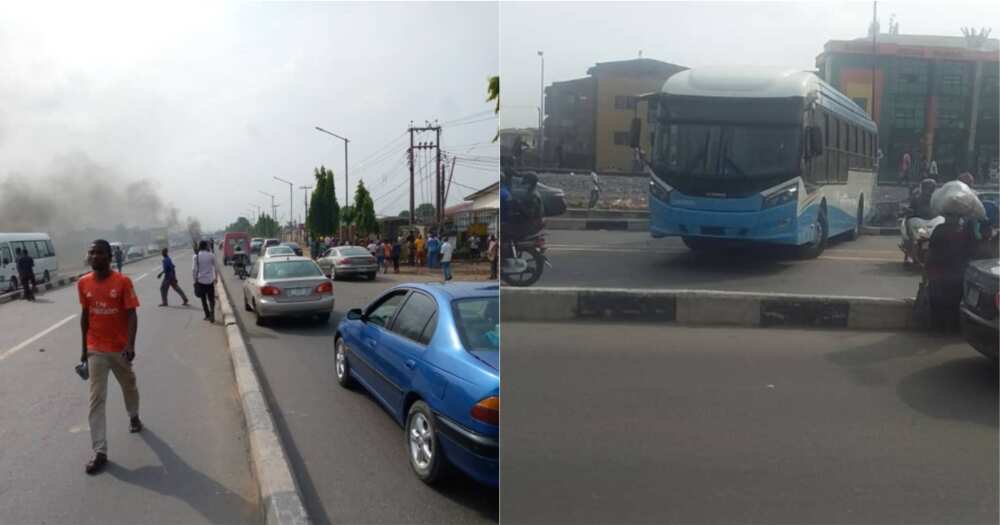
729, 151
478, 322
354, 251
291, 270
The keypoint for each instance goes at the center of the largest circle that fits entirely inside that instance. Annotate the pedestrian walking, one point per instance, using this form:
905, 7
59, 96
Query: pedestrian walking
119, 257
397, 252
169, 276
492, 253
26, 273
595, 189
433, 251
109, 324
446, 252
203, 271
421, 247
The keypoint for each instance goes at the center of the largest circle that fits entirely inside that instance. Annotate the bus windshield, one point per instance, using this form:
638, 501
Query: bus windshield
729, 151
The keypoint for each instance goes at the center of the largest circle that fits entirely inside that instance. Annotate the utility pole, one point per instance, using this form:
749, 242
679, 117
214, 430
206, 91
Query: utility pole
438, 182
274, 207
347, 198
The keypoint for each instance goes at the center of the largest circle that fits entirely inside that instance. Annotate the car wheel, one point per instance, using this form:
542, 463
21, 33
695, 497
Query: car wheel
341, 366
323, 318
246, 305
422, 444
261, 321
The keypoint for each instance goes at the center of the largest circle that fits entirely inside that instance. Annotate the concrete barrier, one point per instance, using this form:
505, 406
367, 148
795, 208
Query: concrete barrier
704, 307
280, 498
63, 281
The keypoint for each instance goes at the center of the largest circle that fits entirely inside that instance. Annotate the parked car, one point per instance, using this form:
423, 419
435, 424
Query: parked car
134, 252
980, 303
413, 344
270, 242
278, 251
255, 245
287, 287
348, 260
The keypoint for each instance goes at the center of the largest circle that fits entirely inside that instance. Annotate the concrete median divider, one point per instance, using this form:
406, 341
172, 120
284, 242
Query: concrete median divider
59, 282
704, 307
280, 499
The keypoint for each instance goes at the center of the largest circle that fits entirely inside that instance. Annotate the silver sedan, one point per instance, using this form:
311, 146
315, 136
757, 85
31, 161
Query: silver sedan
348, 260
287, 286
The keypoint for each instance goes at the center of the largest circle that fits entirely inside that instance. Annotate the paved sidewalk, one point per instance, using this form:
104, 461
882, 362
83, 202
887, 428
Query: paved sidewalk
190, 464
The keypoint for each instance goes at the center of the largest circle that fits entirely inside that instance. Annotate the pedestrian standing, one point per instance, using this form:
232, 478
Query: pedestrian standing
373, 248
904, 168
169, 276
492, 254
119, 257
446, 251
109, 324
203, 271
474, 247
421, 247
433, 251
386, 254
397, 252
411, 249
26, 273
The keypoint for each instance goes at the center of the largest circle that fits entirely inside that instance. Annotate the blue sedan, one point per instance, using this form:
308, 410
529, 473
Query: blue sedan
430, 354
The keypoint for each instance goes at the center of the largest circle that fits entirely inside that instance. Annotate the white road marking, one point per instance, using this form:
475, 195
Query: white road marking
38, 336
137, 279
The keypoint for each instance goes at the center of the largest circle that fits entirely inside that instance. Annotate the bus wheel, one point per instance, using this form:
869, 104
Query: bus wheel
814, 249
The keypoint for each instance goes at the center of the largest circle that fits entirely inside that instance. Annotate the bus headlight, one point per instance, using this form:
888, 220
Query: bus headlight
782, 196
659, 192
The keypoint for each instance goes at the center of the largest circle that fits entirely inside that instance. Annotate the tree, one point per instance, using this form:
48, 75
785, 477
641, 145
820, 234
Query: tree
242, 224
323, 217
493, 90
266, 227
425, 212
405, 214
364, 211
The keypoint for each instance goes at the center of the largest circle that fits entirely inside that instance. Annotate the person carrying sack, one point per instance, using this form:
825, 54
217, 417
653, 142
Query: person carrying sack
203, 271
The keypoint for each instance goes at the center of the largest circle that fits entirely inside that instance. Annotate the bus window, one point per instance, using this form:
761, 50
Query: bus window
42, 248
52, 250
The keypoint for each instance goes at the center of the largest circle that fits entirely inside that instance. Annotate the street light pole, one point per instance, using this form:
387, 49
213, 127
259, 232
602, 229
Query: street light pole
305, 210
346, 141
274, 207
291, 204
541, 113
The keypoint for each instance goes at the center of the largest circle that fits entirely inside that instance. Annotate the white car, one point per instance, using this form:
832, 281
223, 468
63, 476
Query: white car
287, 287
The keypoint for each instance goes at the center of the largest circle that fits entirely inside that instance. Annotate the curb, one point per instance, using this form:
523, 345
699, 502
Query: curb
880, 230
703, 307
280, 498
59, 283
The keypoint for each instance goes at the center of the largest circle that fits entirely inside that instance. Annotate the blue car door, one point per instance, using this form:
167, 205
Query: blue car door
405, 344
378, 317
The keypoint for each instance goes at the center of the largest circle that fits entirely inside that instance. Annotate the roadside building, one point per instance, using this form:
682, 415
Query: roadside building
934, 96
588, 119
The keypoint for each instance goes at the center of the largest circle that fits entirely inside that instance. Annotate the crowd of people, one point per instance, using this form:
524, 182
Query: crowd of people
434, 252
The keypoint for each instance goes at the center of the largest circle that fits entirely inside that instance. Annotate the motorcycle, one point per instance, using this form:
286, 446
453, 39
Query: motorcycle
524, 261
915, 236
240, 266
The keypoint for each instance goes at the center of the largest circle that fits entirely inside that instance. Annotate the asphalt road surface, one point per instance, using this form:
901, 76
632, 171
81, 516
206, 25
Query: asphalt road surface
870, 266
628, 423
189, 465
347, 452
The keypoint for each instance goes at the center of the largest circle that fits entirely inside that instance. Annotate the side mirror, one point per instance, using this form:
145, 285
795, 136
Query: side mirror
814, 135
635, 132
355, 314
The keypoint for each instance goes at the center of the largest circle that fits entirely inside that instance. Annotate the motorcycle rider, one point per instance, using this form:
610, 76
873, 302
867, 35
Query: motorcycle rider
920, 208
239, 259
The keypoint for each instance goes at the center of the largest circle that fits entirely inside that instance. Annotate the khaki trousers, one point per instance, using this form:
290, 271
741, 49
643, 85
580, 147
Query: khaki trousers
100, 363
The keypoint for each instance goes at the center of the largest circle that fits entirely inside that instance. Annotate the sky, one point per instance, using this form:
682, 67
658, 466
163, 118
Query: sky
575, 36
190, 109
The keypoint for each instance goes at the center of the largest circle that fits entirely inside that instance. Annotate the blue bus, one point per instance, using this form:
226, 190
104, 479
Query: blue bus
757, 155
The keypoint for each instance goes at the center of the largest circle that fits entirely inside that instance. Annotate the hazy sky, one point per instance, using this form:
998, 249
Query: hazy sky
574, 36
211, 101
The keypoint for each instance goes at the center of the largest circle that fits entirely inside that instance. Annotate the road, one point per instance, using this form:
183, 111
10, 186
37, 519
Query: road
710, 425
346, 451
870, 266
190, 465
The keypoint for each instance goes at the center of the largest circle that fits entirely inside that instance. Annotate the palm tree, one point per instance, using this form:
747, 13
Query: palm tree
494, 95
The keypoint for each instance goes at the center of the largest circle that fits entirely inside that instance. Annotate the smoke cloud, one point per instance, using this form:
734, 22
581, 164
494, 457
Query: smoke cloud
77, 193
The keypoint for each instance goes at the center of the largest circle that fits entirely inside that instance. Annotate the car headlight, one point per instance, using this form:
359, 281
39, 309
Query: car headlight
659, 191
785, 195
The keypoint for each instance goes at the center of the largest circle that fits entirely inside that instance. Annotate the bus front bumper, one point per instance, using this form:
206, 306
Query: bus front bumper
777, 225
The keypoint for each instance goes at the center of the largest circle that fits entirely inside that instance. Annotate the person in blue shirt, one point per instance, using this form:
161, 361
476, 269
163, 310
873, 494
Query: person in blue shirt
433, 251
169, 276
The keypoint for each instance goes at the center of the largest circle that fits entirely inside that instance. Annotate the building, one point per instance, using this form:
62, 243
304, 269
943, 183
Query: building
588, 119
934, 96
479, 214
528, 136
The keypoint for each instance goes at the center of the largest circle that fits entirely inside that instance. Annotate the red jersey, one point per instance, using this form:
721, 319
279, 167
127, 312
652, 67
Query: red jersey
107, 303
